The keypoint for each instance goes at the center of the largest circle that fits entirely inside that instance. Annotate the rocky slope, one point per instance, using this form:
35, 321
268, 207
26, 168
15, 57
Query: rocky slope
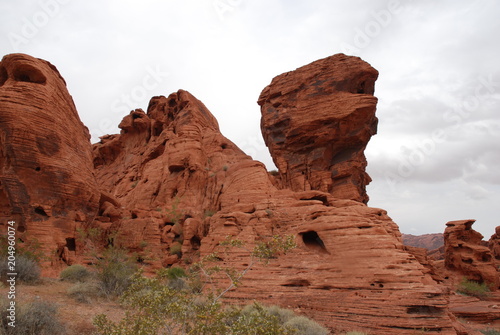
171, 187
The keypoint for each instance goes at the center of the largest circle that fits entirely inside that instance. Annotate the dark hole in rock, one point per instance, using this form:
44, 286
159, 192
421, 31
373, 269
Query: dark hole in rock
322, 198
361, 88
175, 168
423, 309
3, 75
40, 211
29, 74
312, 240
71, 244
195, 242
297, 282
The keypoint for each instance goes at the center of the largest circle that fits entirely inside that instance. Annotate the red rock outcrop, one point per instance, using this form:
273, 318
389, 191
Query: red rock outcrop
494, 245
46, 174
467, 255
172, 164
317, 121
172, 187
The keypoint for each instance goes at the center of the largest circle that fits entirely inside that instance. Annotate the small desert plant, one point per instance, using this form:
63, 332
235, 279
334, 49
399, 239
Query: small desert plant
305, 326
274, 173
27, 269
473, 288
115, 271
225, 168
75, 273
176, 249
176, 277
85, 291
209, 213
37, 317
489, 331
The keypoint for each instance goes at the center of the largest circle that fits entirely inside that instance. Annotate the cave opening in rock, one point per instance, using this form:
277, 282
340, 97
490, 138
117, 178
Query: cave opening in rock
312, 240
71, 244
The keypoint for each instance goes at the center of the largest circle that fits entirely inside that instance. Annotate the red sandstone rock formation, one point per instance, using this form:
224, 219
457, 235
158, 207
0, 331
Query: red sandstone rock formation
170, 179
317, 121
46, 173
466, 254
494, 244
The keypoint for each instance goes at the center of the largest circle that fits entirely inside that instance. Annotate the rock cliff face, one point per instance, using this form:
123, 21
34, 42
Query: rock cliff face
172, 187
46, 174
466, 254
317, 121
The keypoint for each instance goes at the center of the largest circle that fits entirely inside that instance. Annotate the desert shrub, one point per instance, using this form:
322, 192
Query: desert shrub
176, 277
85, 292
115, 271
175, 273
306, 326
154, 307
75, 273
473, 288
27, 269
35, 318
256, 319
490, 331
176, 249
281, 313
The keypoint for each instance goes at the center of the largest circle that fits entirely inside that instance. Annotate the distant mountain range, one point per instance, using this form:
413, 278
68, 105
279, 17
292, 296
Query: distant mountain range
427, 241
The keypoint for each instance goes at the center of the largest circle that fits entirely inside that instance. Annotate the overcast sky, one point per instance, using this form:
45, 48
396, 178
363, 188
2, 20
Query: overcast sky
436, 156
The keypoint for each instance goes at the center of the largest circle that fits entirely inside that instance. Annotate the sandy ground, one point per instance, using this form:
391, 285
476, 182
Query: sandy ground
76, 316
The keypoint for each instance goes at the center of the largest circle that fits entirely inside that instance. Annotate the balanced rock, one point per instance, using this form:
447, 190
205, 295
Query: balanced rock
317, 121
46, 175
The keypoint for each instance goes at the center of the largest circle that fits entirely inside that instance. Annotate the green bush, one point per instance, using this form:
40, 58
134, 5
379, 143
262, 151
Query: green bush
176, 249
85, 291
490, 332
155, 308
473, 288
305, 326
175, 276
75, 273
27, 269
282, 314
36, 318
115, 271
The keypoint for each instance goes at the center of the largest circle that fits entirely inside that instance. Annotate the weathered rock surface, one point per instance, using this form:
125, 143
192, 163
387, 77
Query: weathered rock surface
466, 254
171, 187
46, 174
426, 241
494, 245
317, 121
